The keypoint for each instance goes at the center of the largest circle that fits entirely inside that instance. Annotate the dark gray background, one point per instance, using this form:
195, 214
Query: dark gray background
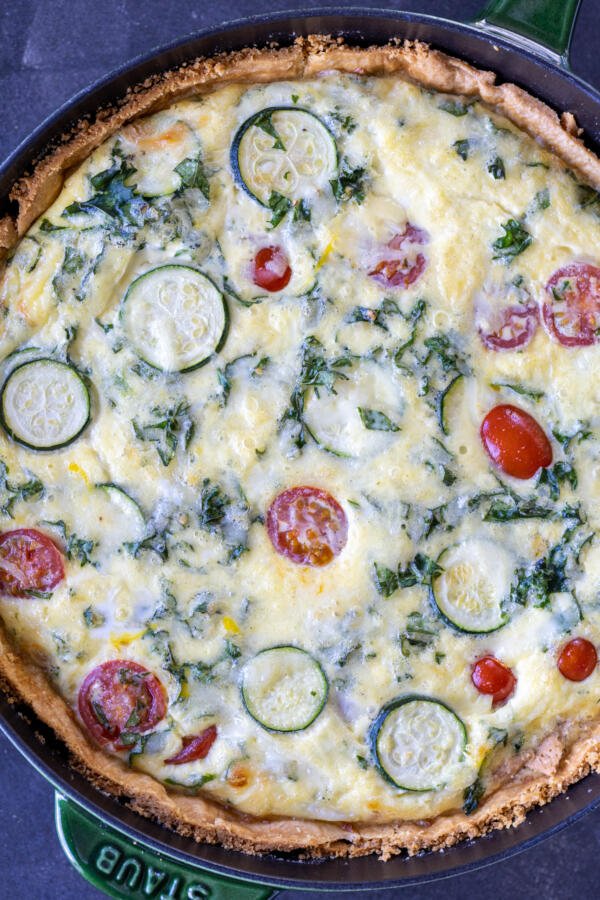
49, 49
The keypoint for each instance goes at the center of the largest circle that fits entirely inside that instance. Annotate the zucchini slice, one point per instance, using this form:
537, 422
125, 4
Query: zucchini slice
284, 688
471, 591
113, 517
286, 150
417, 742
44, 404
448, 403
336, 422
174, 317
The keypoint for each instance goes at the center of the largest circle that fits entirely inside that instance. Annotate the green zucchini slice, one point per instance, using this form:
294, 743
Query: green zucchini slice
474, 585
44, 404
174, 317
284, 688
285, 150
114, 517
448, 402
417, 743
361, 419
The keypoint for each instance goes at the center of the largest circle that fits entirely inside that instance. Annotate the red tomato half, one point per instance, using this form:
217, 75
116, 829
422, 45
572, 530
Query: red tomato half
401, 261
490, 676
194, 747
572, 312
29, 561
271, 269
121, 696
577, 659
307, 525
515, 442
512, 328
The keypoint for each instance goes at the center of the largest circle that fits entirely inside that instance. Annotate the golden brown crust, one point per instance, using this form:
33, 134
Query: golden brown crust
306, 58
530, 779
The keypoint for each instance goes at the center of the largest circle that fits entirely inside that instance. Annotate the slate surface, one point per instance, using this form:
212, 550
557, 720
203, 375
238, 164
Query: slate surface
49, 49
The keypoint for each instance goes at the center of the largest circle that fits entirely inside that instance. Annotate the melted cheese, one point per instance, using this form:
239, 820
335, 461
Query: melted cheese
196, 616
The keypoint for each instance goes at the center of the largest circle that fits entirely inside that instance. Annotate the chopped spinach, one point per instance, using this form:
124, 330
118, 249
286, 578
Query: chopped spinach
496, 168
462, 147
454, 107
522, 389
350, 184
419, 571
420, 633
76, 548
514, 241
264, 121
553, 477
174, 427
93, 618
10, 493
193, 175
115, 200
375, 420
279, 206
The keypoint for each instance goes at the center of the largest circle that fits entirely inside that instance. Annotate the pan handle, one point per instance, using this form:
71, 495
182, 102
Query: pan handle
545, 26
121, 868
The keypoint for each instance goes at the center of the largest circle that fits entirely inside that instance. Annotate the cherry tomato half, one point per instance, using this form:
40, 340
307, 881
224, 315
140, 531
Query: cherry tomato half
405, 263
572, 312
194, 747
515, 442
271, 269
29, 562
121, 697
512, 328
307, 525
577, 659
490, 676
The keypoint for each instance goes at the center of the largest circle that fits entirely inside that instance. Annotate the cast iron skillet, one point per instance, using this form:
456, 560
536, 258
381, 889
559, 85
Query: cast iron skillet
124, 854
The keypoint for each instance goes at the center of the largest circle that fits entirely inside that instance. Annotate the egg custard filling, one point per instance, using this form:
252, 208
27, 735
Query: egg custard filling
300, 449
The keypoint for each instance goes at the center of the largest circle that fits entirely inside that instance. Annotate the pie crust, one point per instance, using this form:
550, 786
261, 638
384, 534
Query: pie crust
531, 778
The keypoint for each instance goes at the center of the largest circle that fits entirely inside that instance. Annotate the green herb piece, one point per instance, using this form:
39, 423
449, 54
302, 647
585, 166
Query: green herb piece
279, 206
105, 327
375, 420
193, 175
367, 314
420, 633
541, 200
510, 510
588, 198
264, 121
514, 241
419, 571
462, 147
454, 107
155, 542
522, 389
350, 184
174, 427
76, 548
10, 493
496, 168
232, 650
414, 316
546, 576
347, 122
557, 475
93, 618
302, 211
115, 200
451, 359
362, 762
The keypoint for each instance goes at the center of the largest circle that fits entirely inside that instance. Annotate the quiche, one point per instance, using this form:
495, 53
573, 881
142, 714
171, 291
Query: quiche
300, 449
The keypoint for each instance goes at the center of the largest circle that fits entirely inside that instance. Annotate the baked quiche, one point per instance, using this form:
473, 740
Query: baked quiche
300, 449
